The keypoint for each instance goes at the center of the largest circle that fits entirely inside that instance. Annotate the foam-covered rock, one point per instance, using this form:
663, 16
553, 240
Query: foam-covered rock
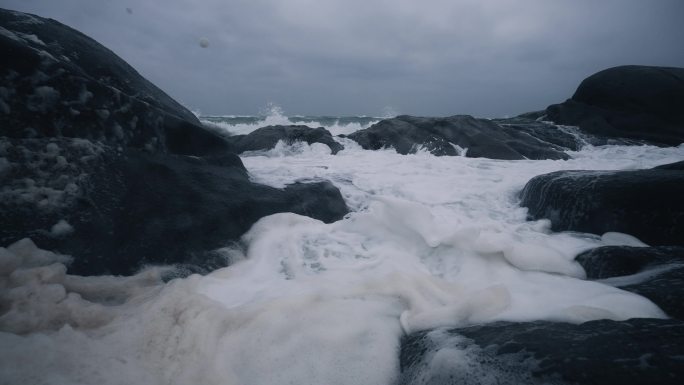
456, 135
644, 203
657, 273
636, 102
266, 138
635, 351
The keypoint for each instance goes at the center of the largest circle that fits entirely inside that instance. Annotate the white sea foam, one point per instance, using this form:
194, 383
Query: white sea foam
431, 242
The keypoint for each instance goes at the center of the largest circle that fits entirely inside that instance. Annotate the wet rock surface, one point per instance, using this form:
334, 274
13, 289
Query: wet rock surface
266, 138
635, 351
613, 261
657, 273
456, 135
547, 132
129, 208
644, 203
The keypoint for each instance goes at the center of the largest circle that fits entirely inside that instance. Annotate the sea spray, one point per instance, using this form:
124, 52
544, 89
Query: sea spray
273, 115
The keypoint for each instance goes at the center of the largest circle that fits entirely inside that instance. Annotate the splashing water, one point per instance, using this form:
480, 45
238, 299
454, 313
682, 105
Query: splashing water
273, 115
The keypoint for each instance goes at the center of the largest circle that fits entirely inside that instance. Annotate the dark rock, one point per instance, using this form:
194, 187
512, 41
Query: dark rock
663, 286
566, 137
636, 351
671, 166
440, 136
266, 138
614, 261
636, 102
644, 203
98, 163
662, 272
549, 133
129, 208
59, 82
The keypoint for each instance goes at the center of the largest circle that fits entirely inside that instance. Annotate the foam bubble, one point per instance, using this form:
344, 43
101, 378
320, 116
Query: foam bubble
61, 228
621, 239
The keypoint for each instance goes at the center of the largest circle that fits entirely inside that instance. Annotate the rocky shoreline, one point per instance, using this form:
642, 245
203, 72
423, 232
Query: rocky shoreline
99, 164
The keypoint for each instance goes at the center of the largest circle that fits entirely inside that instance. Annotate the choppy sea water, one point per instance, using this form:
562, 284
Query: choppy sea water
274, 115
431, 242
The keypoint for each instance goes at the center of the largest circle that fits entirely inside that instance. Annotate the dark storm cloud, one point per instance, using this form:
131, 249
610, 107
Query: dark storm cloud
432, 57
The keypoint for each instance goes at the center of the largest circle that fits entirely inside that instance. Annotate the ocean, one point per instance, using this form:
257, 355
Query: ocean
273, 115
430, 242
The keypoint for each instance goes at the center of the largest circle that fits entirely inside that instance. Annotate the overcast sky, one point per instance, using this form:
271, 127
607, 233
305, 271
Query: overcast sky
487, 58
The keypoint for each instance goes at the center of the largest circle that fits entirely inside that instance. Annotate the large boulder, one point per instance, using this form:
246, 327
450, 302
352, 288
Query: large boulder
98, 163
266, 138
637, 102
115, 211
657, 273
55, 81
647, 204
456, 135
636, 351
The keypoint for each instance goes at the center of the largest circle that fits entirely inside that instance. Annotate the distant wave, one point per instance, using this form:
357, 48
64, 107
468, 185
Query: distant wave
274, 115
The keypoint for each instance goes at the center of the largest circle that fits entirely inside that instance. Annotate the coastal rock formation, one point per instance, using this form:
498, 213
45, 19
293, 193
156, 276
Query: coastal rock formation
659, 272
545, 131
636, 102
635, 351
643, 203
566, 137
126, 208
456, 135
266, 138
98, 163
58, 82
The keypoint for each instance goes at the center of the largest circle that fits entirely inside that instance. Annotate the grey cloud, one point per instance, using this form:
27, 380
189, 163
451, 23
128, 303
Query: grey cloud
433, 57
